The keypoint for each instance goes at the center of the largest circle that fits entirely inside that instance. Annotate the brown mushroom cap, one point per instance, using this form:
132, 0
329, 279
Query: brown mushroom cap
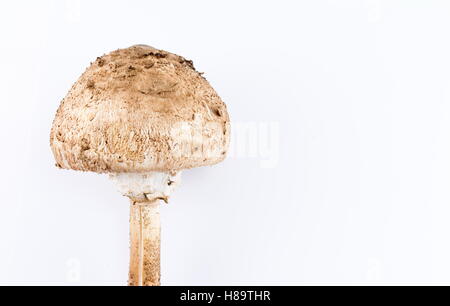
139, 110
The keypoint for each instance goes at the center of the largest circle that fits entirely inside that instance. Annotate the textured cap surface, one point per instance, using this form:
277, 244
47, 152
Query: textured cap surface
137, 110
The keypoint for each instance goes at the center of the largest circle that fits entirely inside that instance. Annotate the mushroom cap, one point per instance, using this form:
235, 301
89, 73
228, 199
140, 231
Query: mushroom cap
140, 110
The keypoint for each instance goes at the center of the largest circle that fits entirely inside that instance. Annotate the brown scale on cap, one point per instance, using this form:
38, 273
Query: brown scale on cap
138, 110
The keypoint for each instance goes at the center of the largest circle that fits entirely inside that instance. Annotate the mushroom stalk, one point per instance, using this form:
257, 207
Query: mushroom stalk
146, 191
145, 244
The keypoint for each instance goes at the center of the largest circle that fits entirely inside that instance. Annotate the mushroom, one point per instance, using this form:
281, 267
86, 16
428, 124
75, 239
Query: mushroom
141, 115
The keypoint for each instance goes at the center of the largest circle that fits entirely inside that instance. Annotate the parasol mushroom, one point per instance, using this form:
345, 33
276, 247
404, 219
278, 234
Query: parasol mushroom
141, 115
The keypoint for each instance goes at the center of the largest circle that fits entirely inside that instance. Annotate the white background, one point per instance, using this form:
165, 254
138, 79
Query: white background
358, 187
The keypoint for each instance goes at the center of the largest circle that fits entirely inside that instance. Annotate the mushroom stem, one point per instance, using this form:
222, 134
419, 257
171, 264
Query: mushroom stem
145, 242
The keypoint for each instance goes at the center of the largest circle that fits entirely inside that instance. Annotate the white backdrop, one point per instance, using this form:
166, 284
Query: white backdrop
340, 168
